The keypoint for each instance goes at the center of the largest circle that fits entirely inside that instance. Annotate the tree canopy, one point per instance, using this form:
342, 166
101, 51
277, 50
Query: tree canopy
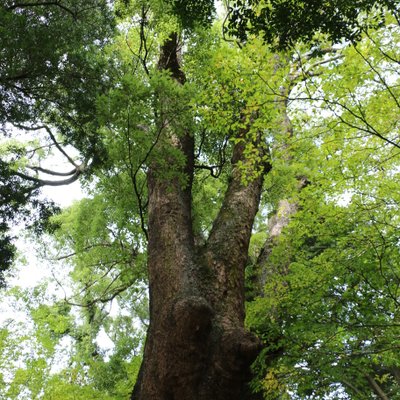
50, 75
213, 174
283, 23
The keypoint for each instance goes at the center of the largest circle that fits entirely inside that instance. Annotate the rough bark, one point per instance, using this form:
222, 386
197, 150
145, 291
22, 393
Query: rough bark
376, 388
279, 220
197, 347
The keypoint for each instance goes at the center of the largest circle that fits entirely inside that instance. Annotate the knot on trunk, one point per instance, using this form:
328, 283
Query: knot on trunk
192, 316
240, 348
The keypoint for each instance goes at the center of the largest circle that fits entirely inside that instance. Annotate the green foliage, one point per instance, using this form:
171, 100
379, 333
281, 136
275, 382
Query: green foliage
189, 14
333, 306
51, 72
283, 23
192, 12
329, 310
54, 353
43, 62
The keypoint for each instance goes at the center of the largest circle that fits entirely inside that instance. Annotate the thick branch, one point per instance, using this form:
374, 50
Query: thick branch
170, 248
211, 168
52, 137
278, 221
305, 73
59, 147
377, 389
51, 172
396, 373
227, 245
170, 58
352, 387
44, 182
42, 4
18, 76
317, 52
171, 243
240, 203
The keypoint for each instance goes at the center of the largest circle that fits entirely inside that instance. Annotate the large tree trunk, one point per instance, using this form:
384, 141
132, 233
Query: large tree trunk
197, 347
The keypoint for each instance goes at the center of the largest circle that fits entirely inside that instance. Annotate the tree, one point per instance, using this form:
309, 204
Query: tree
187, 282
334, 262
166, 131
48, 60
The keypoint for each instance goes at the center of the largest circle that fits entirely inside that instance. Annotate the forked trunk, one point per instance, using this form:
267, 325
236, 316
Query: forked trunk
197, 347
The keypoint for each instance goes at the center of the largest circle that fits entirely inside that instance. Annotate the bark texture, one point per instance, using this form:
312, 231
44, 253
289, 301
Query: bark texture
376, 388
197, 347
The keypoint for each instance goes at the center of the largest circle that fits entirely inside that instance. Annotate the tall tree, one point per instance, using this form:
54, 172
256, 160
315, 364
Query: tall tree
196, 292
164, 128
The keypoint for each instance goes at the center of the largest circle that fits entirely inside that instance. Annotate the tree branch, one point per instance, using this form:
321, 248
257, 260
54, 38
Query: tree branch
52, 137
50, 172
43, 182
42, 4
227, 245
58, 146
380, 77
308, 72
352, 387
210, 168
133, 175
377, 389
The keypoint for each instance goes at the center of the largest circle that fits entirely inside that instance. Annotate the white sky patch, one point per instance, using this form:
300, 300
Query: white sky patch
106, 344
64, 196
342, 199
62, 355
221, 8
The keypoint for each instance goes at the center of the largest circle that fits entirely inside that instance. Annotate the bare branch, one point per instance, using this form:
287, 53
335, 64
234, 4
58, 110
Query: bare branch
210, 168
52, 137
142, 59
116, 292
59, 284
85, 249
43, 182
58, 146
352, 387
317, 52
42, 4
133, 176
308, 72
368, 128
18, 76
380, 77
50, 172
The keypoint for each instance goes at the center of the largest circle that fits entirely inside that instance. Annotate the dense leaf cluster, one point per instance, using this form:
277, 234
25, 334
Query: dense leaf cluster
330, 300
192, 13
14, 195
42, 63
19, 204
283, 23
